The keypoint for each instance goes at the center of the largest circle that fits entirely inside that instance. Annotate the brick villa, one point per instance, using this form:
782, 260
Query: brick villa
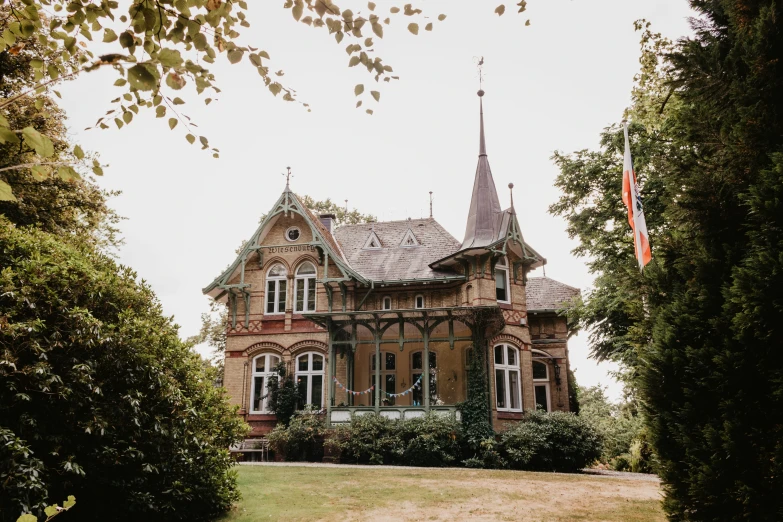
360, 312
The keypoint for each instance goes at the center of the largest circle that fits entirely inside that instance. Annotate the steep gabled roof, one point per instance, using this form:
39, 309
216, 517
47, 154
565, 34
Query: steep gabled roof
395, 262
287, 203
544, 293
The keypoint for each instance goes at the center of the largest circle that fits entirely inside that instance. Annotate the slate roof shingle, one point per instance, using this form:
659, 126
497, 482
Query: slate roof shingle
393, 262
544, 293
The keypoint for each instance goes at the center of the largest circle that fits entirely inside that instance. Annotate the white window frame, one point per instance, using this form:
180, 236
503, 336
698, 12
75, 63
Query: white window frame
276, 281
409, 237
384, 372
383, 302
419, 371
289, 229
541, 382
309, 373
416, 301
507, 369
309, 286
504, 268
266, 374
373, 242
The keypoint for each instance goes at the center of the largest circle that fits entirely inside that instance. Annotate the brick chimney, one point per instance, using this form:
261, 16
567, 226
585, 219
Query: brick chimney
327, 220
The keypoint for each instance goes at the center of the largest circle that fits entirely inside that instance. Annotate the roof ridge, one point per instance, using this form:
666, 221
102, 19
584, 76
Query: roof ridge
384, 222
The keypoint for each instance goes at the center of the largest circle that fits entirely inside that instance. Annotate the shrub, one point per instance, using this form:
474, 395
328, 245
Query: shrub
432, 440
99, 395
284, 394
368, 439
555, 441
302, 439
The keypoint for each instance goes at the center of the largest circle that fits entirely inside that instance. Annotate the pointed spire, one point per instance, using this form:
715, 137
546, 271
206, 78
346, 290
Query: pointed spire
483, 223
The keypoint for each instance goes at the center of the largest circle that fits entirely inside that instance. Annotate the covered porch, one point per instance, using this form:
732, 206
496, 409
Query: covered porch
402, 364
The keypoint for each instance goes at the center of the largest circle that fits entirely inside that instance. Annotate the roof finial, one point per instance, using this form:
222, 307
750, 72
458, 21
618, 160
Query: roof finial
511, 191
287, 179
482, 145
430, 204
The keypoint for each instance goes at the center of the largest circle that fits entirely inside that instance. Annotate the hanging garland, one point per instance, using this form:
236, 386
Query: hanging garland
416, 385
338, 383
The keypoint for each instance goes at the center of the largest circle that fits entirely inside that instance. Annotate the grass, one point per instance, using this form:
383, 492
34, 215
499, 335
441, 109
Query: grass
380, 494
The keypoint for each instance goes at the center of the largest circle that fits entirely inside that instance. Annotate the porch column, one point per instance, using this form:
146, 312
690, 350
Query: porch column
425, 375
330, 371
378, 363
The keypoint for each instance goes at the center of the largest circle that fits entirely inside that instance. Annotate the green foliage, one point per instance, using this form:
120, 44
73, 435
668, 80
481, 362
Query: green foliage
284, 394
342, 215
368, 439
620, 425
301, 439
432, 440
699, 332
98, 394
554, 441
50, 511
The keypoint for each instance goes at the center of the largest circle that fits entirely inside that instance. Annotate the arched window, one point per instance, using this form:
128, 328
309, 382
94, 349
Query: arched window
310, 379
263, 369
502, 284
419, 301
276, 289
388, 377
508, 384
387, 303
416, 370
305, 288
541, 381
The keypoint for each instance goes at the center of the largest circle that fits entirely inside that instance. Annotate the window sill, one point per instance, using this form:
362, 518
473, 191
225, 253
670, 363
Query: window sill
261, 416
510, 415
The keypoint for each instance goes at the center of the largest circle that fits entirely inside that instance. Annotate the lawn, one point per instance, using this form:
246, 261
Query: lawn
392, 494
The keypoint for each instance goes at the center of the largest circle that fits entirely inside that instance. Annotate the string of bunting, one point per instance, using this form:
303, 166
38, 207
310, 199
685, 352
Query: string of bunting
416, 384
338, 383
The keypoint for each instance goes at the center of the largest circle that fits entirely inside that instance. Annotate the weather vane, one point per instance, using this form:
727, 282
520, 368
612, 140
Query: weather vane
287, 176
481, 71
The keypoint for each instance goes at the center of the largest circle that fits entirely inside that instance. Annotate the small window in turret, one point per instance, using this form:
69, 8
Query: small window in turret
502, 290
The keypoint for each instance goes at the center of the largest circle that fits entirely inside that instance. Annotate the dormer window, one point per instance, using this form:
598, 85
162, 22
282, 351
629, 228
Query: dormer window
502, 283
409, 240
419, 302
373, 242
386, 303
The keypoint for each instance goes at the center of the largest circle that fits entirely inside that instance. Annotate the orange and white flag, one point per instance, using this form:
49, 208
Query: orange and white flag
633, 200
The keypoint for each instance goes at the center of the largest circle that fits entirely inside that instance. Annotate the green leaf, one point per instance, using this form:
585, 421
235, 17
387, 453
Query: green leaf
170, 58
297, 9
178, 101
368, 42
275, 88
50, 511
37, 141
394, 10
67, 173
8, 136
68, 504
428, 27
39, 172
160, 111
126, 39
173, 123
97, 170
527, 23
4, 122
127, 117
376, 95
369, 111
358, 104
109, 35
377, 29
6, 194
235, 55
353, 61
191, 138
371, 5
441, 17
358, 89
78, 152
414, 28
175, 81
500, 9
143, 77
121, 82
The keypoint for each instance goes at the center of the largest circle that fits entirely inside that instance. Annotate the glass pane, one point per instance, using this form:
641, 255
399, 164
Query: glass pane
300, 284
500, 285
302, 366
418, 393
387, 303
258, 393
301, 384
270, 297
317, 392
277, 271
541, 401
499, 354
305, 269
500, 388
513, 384
539, 370
512, 356
372, 363
417, 361
433, 360
391, 387
310, 283
260, 363
419, 301
273, 361
390, 361
318, 363
281, 297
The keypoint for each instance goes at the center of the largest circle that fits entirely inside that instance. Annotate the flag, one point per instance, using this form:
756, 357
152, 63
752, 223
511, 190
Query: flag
633, 200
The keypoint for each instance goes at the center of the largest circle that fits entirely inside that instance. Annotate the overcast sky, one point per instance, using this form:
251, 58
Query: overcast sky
551, 86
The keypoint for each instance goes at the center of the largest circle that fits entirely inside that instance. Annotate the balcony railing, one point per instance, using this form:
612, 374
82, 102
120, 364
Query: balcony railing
344, 414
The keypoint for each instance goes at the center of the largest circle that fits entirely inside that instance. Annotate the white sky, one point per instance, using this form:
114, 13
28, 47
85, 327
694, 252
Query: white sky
551, 86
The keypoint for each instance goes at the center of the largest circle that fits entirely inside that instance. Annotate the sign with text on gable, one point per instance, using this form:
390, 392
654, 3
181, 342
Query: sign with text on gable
290, 248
